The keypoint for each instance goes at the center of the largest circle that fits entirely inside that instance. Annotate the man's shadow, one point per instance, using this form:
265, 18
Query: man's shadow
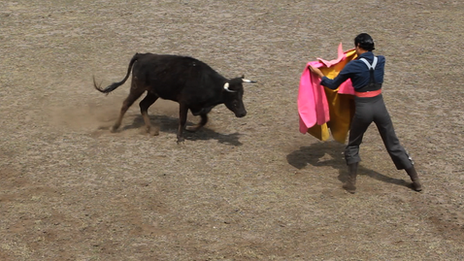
170, 125
331, 154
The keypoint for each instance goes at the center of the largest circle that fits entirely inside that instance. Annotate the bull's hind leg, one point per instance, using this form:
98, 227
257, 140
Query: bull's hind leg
183, 109
204, 120
144, 105
133, 96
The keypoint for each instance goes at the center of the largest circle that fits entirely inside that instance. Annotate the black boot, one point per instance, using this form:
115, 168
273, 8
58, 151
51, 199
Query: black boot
415, 179
350, 184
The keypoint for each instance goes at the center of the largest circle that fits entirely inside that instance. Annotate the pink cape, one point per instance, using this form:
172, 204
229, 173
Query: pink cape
313, 106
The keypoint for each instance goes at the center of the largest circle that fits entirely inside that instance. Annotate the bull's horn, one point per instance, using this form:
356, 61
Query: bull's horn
226, 87
248, 81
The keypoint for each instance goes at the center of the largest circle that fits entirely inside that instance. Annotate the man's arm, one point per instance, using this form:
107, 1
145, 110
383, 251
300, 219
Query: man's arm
330, 83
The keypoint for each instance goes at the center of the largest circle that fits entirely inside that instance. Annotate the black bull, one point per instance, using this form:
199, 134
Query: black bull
188, 81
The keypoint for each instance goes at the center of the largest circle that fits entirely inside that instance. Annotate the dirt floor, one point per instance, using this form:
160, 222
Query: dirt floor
252, 188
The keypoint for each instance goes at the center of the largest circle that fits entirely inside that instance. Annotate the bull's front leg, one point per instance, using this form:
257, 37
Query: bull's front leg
204, 120
183, 109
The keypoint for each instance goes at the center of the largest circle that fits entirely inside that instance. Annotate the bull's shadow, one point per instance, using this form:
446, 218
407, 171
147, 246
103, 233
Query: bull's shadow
331, 154
170, 125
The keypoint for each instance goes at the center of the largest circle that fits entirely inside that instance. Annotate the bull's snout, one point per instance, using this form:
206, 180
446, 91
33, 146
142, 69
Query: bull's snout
240, 114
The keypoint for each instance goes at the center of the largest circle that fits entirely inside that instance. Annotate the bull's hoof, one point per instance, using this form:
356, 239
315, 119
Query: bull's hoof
114, 129
180, 140
152, 131
192, 128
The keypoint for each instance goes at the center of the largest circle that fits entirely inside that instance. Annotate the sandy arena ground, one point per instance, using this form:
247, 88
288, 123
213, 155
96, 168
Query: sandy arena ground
240, 189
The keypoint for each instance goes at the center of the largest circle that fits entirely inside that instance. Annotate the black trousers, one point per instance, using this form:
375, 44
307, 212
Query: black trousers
370, 110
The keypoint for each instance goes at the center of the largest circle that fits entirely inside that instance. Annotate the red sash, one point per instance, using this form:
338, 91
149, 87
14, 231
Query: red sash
368, 94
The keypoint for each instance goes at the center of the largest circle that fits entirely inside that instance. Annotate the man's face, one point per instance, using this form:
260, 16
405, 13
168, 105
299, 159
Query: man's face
357, 50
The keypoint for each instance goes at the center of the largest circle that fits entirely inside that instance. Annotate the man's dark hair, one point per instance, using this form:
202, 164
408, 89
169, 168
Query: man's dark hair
365, 41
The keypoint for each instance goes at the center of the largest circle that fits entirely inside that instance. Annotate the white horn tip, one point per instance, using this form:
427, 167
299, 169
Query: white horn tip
248, 81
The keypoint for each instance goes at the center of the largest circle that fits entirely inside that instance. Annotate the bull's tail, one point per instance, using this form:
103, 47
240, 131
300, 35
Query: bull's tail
115, 85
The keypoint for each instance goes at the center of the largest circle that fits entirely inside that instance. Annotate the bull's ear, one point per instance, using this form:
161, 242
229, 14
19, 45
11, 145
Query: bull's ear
226, 87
